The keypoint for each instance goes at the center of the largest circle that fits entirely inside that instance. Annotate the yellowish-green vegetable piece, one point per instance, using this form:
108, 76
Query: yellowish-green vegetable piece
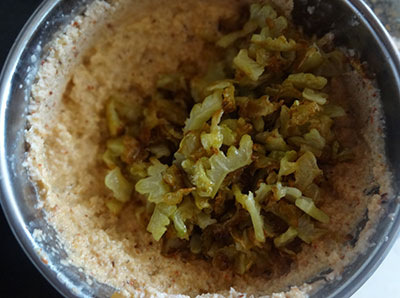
174, 198
258, 124
138, 170
208, 175
262, 192
114, 206
280, 191
307, 80
292, 193
119, 185
110, 159
236, 158
243, 262
313, 191
201, 202
334, 111
273, 140
153, 186
261, 12
308, 206
247, 65
229, 101
312, 95
311, 60
116, 145
306, 170
189, 144
115, 125
220, 85
160, 219
229, 136
202, 112
187, 210
253, 108
311, 141
287, 164
160, 150
307, 232
248, 203
302, 114
284, 119
279, 44
215, 138
230, 38
198, 176
279, 25
286, 237
179, 224
204, 220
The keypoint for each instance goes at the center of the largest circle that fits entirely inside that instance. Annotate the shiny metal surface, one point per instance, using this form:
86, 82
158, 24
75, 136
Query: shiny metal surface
355, 27
18, 196
388, 11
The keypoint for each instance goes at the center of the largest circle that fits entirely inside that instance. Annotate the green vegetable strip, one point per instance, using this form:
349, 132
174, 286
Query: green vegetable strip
120, 187
160, 220
250, 67
307, 80
115, 206
230, 38
202, 112
262, 192
179, 225
115, 125
222, 165
306, 170
334, 111
308, 206
110, 159
274, 44
312, 95
260, 13
286, 237
248, 203
153, 186
215, 138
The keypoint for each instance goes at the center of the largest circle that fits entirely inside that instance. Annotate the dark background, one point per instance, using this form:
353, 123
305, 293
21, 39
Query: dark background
18, 276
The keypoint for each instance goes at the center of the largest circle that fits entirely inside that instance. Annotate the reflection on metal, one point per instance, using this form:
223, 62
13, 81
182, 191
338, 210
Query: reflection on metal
388, 11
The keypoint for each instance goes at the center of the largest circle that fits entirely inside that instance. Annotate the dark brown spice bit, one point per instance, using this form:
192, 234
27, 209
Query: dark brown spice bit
174, 177
384, 197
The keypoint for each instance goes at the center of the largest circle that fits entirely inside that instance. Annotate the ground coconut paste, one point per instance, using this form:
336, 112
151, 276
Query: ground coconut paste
123, 46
